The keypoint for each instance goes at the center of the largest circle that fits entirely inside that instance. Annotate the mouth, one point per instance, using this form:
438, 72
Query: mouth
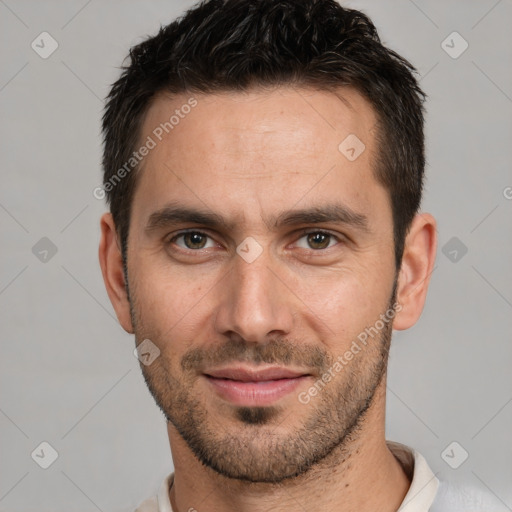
254, 387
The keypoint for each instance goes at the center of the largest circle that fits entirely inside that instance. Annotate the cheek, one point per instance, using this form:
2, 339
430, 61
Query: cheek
170, 303
342, 304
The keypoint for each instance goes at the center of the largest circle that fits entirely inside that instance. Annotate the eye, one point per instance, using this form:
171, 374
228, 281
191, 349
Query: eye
192, 240
317, 240
310, 240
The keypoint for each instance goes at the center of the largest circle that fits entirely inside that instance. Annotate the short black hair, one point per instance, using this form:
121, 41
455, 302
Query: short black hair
238, 45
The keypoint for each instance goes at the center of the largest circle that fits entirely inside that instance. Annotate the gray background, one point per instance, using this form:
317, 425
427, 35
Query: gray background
68, 375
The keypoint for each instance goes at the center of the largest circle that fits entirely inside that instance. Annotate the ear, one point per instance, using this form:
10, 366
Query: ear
111, 262
417, 265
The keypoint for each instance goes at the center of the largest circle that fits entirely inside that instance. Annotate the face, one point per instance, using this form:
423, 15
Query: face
259, 252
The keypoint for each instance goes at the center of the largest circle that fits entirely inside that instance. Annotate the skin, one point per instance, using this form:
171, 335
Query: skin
300, 304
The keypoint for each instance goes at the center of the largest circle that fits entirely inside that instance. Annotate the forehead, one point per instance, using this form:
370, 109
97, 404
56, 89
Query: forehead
254, 151
237, 119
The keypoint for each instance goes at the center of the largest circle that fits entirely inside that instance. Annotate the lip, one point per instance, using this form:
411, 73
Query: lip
254, 387
246, 374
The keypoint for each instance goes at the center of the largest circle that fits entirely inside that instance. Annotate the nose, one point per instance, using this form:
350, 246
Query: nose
255, 303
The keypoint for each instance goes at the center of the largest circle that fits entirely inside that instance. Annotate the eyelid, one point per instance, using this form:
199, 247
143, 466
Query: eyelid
299, 234
184, 232
170, 239
306, 231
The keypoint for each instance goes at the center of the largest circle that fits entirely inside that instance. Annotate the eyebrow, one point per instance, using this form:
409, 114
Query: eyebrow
336, 213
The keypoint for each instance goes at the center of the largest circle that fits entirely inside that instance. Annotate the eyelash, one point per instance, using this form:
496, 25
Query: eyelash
302, 234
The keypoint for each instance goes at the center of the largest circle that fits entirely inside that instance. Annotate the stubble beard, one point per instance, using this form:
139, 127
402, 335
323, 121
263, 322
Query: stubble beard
261, 444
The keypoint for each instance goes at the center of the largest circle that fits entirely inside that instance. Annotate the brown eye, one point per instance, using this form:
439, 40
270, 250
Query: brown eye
317, 240
192, 240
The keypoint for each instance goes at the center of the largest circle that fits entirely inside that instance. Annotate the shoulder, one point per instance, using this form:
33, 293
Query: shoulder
455, 497
160, 502
149, 505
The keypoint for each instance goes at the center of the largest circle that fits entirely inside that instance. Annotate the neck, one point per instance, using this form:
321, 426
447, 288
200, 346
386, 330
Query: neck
340, 482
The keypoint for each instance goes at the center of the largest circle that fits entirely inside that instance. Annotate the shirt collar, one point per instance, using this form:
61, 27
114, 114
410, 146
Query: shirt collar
419, 497
424, 483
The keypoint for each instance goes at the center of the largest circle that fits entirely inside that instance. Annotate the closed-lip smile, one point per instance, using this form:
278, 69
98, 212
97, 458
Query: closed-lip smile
243, 385
254, 375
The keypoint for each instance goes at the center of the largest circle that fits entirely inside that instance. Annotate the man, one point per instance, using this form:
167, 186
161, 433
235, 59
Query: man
264, 167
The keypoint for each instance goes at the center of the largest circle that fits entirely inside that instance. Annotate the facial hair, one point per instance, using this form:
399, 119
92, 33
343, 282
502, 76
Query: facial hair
254, 444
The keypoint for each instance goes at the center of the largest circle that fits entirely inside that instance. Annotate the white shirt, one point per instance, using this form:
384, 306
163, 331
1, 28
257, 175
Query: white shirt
426, 493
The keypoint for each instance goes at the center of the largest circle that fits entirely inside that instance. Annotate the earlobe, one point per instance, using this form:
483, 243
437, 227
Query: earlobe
111, 263
417, 266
